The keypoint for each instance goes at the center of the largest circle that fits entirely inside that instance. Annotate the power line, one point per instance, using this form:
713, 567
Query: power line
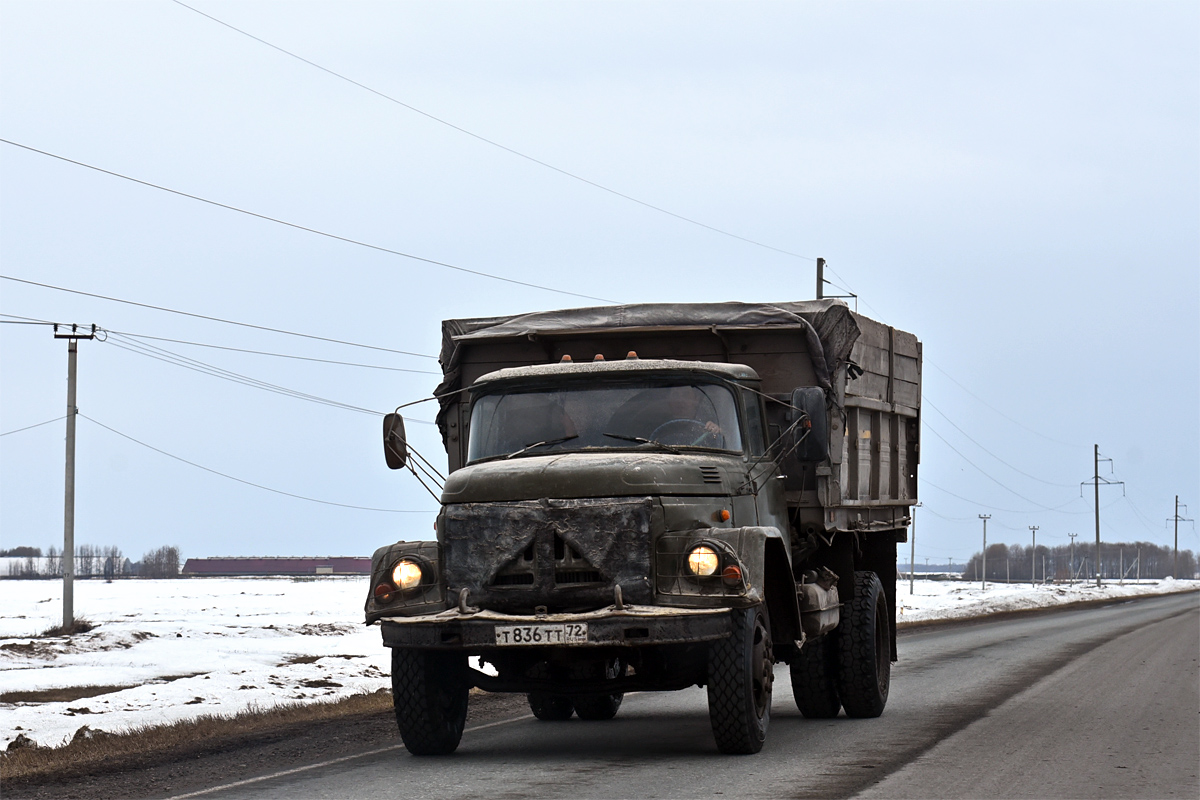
925, 400
998, 411
161, 354
204, 368
248, 483
986, 475
212, 319
498, 145
31, 427
285, 223
32, 321
927, 482
276, 355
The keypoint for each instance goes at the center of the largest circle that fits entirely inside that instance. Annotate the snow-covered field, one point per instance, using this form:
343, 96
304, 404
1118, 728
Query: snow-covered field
222, 645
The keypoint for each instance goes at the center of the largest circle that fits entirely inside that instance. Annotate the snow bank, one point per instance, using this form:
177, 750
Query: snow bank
951, 600
222, 645
184, 647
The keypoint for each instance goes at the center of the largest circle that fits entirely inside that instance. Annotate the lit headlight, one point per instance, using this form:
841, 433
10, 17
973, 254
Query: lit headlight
406, 575
703, 560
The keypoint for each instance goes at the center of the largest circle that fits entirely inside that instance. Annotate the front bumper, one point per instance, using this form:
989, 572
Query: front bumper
632, 626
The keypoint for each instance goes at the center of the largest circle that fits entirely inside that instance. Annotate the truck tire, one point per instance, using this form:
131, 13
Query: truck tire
429, 692
550, 707
593, 707
814, 679
740, 673
864, 649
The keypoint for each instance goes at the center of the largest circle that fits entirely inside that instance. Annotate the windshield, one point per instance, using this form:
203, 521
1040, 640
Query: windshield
618, 416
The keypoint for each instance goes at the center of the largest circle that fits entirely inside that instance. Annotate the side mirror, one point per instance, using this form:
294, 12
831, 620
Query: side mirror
395, 443
810, 401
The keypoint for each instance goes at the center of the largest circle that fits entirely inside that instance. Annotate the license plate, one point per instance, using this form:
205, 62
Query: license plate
568, 633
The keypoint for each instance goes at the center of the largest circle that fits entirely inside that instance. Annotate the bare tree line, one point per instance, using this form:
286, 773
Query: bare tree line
1016, 562
92, 560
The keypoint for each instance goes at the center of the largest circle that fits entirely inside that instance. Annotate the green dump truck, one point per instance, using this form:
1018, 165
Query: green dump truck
656, 496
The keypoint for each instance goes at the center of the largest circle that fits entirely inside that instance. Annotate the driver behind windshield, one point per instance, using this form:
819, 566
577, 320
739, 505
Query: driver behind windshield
675, 415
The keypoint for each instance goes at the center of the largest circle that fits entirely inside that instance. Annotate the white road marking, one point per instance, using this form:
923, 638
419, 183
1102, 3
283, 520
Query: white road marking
331, 762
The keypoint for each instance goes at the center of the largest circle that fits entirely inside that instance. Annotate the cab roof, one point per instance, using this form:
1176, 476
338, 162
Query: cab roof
627, 366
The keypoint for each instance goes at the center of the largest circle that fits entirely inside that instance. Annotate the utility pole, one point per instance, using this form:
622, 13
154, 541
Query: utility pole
1139, 574
1177, 519
820, 278
1071, 571
1096, 480
1121, 582
912, 559
68, 556
985, 518
1033, 558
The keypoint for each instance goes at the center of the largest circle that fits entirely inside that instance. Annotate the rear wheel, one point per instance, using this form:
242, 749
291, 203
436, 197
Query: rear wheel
429, 692
814, 679
598, 706
865, 651
740, 674
550, 707
602, 706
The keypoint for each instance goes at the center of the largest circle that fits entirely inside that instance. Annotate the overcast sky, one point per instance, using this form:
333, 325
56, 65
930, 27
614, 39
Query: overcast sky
1018, 184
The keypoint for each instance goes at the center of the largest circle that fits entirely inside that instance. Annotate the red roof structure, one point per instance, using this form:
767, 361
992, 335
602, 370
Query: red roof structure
276, 565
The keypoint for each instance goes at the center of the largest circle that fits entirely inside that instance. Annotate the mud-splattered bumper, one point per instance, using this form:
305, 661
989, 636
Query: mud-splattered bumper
632, 626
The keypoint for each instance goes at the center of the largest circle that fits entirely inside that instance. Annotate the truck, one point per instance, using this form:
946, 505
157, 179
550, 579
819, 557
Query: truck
650, 497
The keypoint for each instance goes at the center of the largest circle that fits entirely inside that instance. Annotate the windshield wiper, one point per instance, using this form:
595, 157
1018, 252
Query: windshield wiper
546, 443
640, 440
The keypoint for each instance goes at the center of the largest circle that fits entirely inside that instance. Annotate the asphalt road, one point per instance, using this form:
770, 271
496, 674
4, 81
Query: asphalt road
1098, 702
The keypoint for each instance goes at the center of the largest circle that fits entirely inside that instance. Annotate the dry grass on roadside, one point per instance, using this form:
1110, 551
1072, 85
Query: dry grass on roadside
78, 625
67, 694
84, 753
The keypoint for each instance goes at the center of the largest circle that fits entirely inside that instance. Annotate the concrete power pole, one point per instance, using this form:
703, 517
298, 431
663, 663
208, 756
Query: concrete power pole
1177, 519
1071, 571
1033, 558
985, 518
1096, 481
68, 556
820, 278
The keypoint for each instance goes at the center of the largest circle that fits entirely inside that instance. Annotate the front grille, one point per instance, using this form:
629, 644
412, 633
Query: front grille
562, 554
563, 577
514, 580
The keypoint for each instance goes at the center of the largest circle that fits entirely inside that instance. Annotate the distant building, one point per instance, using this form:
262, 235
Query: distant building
275, 565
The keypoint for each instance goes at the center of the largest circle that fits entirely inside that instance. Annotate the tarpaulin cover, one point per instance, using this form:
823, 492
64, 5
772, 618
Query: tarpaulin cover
829, 325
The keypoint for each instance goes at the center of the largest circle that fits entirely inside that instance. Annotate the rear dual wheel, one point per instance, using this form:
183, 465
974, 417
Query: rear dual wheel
865, 649
591, 707
814, 679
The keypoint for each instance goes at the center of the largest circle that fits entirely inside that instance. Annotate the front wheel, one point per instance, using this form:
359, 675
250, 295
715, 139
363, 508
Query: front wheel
429, 692
865, 649
741, 669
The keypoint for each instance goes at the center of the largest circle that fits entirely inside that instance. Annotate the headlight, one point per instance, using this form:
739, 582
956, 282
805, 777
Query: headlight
406, 575
703, 560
